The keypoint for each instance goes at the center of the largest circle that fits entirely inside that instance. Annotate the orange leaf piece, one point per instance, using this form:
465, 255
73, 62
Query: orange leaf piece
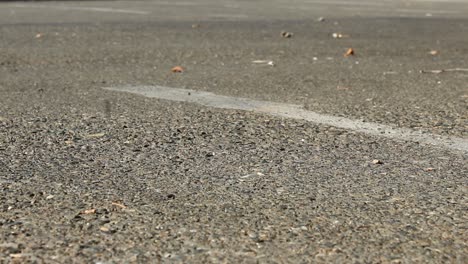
349, 52
177, 69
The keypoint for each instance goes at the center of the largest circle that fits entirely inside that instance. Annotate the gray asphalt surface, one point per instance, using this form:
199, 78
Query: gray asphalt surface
89, 175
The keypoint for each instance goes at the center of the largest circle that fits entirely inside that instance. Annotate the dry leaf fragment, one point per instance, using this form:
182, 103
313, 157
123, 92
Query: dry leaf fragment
104, 229
349, 52
119, 205
89, 211
286, 34
177, 69
429, 169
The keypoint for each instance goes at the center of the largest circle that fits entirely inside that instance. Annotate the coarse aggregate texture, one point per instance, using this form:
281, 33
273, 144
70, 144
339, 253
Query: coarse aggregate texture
89, 175
381, 83
205, 185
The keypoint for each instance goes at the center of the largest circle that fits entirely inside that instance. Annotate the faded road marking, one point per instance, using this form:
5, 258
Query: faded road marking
79, 8
295, 112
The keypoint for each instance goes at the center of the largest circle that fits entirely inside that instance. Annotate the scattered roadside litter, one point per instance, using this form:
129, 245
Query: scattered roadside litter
321, 19
376, 161
433, 52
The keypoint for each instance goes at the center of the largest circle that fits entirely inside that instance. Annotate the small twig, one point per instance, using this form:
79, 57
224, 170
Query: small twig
267, 62
119, 205
445, 70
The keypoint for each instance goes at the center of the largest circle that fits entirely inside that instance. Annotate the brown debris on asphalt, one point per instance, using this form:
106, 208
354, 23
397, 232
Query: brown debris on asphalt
429, 169
286, 34
349, 52
177, 69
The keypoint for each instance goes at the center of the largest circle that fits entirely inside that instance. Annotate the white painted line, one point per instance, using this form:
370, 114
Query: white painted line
295, 112
79, 8
337, 3
228, 16
427, 11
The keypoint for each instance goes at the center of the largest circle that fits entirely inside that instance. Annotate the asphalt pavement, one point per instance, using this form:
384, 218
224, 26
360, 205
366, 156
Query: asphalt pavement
91, 172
